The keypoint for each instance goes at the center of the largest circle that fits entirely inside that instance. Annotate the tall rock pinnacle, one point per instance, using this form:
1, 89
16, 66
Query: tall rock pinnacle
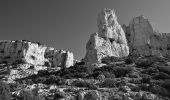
109, 41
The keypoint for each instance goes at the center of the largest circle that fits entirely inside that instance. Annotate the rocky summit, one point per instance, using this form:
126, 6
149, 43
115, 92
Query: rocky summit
122, 62
110, 40
143, 40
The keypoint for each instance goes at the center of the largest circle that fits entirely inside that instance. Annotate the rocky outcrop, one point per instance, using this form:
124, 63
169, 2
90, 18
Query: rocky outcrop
21, 51
144, 41
109, 41
34, 53
59, 57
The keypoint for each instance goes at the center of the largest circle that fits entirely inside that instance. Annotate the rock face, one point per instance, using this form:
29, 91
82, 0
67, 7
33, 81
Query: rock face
59, 57
109, 41
144, 41
33, 53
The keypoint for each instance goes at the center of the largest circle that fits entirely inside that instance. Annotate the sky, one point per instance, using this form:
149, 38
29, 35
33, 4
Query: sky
67, 24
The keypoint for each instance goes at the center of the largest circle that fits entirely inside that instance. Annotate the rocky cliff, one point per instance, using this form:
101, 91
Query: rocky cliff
143, 40
121, 63
109, 41
34, 53
137, 39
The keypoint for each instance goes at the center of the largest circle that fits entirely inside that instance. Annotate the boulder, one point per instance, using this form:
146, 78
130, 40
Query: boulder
109, 41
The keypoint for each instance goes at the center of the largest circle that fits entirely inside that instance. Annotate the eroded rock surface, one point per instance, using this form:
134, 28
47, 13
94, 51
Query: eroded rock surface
59, 58
110, 39
144, 41
34, 53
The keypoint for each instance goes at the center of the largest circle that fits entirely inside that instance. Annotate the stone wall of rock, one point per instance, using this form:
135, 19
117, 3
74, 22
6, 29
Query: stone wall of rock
110, 39
17, 51
59, 57
144, 41
33, 53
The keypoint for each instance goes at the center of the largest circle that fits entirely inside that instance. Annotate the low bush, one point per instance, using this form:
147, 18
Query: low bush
109, 83
29, 95
118, 71
84, 84
129, 60
161, 75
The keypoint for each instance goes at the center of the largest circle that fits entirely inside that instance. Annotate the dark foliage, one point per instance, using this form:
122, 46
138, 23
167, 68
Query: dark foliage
118, 71
4, 91
84, 84
58, 96
52, 79
161, 75
129, 60
109, 83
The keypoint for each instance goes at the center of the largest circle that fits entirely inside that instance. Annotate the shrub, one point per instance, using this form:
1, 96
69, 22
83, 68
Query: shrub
108, 75
109, 83
129, 60
29, 95
150, 70
161, 75
52, 79
146, 79
40, 80
4, 91
80, 75
58, 96
145, 62
159, 90
85, 84
118, 71
43, 73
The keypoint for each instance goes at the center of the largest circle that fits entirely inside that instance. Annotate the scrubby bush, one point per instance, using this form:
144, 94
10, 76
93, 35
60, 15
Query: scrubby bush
122, 71
81, 83
76, 71
118, 71
41, 80
4, 91
146, 79
58, 96
108, 75
150, 70
129, 60
161, 75
52, 79
159, 90
43, 73
29, 95
109, 83
145, 62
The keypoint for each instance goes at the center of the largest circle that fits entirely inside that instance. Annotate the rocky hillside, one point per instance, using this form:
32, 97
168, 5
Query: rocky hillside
128, 62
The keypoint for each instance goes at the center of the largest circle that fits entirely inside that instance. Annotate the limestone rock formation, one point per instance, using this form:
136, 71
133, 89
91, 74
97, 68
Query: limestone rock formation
59, 57
33, 53
144, 41
110, 39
